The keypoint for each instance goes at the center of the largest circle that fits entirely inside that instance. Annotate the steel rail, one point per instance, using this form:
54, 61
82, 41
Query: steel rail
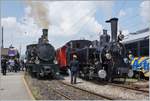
93, 93
59, 93
131, 88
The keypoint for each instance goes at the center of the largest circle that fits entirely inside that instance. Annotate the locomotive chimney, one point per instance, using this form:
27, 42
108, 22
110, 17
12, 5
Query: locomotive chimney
114, 22
44, 36
45, 32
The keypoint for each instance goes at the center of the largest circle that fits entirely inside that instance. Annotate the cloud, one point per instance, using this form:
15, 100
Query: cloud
71, 17
145, 7
121, 13
9, 22
18, 33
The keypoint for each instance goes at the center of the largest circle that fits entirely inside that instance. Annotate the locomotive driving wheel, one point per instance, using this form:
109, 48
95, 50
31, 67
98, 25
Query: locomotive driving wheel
38, 75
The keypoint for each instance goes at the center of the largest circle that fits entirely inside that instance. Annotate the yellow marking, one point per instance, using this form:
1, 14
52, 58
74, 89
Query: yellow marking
141, 59
133, 60
27, 88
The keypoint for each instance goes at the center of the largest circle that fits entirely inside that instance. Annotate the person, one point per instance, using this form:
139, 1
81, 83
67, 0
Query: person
4, 66
120, 36
16, 66
22, 65
74, 66
25, 61
11, 64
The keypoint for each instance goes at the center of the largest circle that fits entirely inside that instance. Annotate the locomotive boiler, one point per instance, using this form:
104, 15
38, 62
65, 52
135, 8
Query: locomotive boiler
107, 61
41, 58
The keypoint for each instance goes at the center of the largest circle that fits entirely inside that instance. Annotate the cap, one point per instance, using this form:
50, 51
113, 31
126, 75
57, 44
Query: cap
74, 56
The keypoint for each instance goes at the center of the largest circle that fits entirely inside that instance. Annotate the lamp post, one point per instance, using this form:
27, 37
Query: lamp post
2, 38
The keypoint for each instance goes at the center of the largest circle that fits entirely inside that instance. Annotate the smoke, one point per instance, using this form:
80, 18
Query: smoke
38, 10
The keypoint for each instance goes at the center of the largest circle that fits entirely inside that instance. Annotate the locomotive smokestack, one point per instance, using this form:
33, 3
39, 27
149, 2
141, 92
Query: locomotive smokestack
44, 36
45, 32
114, 23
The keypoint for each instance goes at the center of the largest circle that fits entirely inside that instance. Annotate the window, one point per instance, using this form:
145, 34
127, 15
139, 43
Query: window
133, 48
144, 48
140, 48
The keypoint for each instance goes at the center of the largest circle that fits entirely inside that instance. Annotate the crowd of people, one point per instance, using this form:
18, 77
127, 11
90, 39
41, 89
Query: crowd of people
12, 65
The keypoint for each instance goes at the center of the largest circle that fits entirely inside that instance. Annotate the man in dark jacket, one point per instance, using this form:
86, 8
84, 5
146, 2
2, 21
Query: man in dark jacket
16, 66
74, 66
4, 66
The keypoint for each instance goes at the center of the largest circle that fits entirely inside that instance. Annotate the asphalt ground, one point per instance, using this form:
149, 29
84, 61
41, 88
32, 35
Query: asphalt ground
14, 87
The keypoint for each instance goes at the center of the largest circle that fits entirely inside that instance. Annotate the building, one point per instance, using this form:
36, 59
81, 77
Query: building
4, 52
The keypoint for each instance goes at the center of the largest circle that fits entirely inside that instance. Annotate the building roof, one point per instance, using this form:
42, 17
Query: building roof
137, 36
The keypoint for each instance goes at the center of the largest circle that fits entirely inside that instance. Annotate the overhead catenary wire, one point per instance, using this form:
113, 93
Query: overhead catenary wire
83, 25
121, 7
86, 23
80, 20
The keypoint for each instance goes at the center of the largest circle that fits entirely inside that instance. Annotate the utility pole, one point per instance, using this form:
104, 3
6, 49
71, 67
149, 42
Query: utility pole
2, 38
20, 50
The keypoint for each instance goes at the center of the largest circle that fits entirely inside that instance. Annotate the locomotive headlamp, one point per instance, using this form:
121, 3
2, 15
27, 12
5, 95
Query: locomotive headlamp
130, 73
108, 56
102, 74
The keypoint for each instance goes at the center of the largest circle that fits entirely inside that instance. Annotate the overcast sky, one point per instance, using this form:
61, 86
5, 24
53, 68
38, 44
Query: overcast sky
68, 20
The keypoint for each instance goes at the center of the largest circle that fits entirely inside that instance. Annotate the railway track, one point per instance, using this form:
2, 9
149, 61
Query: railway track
126, 86
60, 94
83, 90
129, 87
71, 92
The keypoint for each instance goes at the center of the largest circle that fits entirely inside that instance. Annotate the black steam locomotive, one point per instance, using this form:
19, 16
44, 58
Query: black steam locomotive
41, 58
107, 61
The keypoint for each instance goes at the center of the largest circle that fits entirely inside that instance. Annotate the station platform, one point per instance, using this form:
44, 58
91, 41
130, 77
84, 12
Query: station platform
14, 87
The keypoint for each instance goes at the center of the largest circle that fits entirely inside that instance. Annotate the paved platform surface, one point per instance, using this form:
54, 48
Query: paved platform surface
12, 87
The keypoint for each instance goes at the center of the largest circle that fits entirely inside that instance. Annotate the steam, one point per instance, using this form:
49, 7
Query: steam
39, 12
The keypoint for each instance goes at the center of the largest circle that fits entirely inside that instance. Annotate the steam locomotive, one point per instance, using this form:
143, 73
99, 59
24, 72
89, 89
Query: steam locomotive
107, 61
41, 58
